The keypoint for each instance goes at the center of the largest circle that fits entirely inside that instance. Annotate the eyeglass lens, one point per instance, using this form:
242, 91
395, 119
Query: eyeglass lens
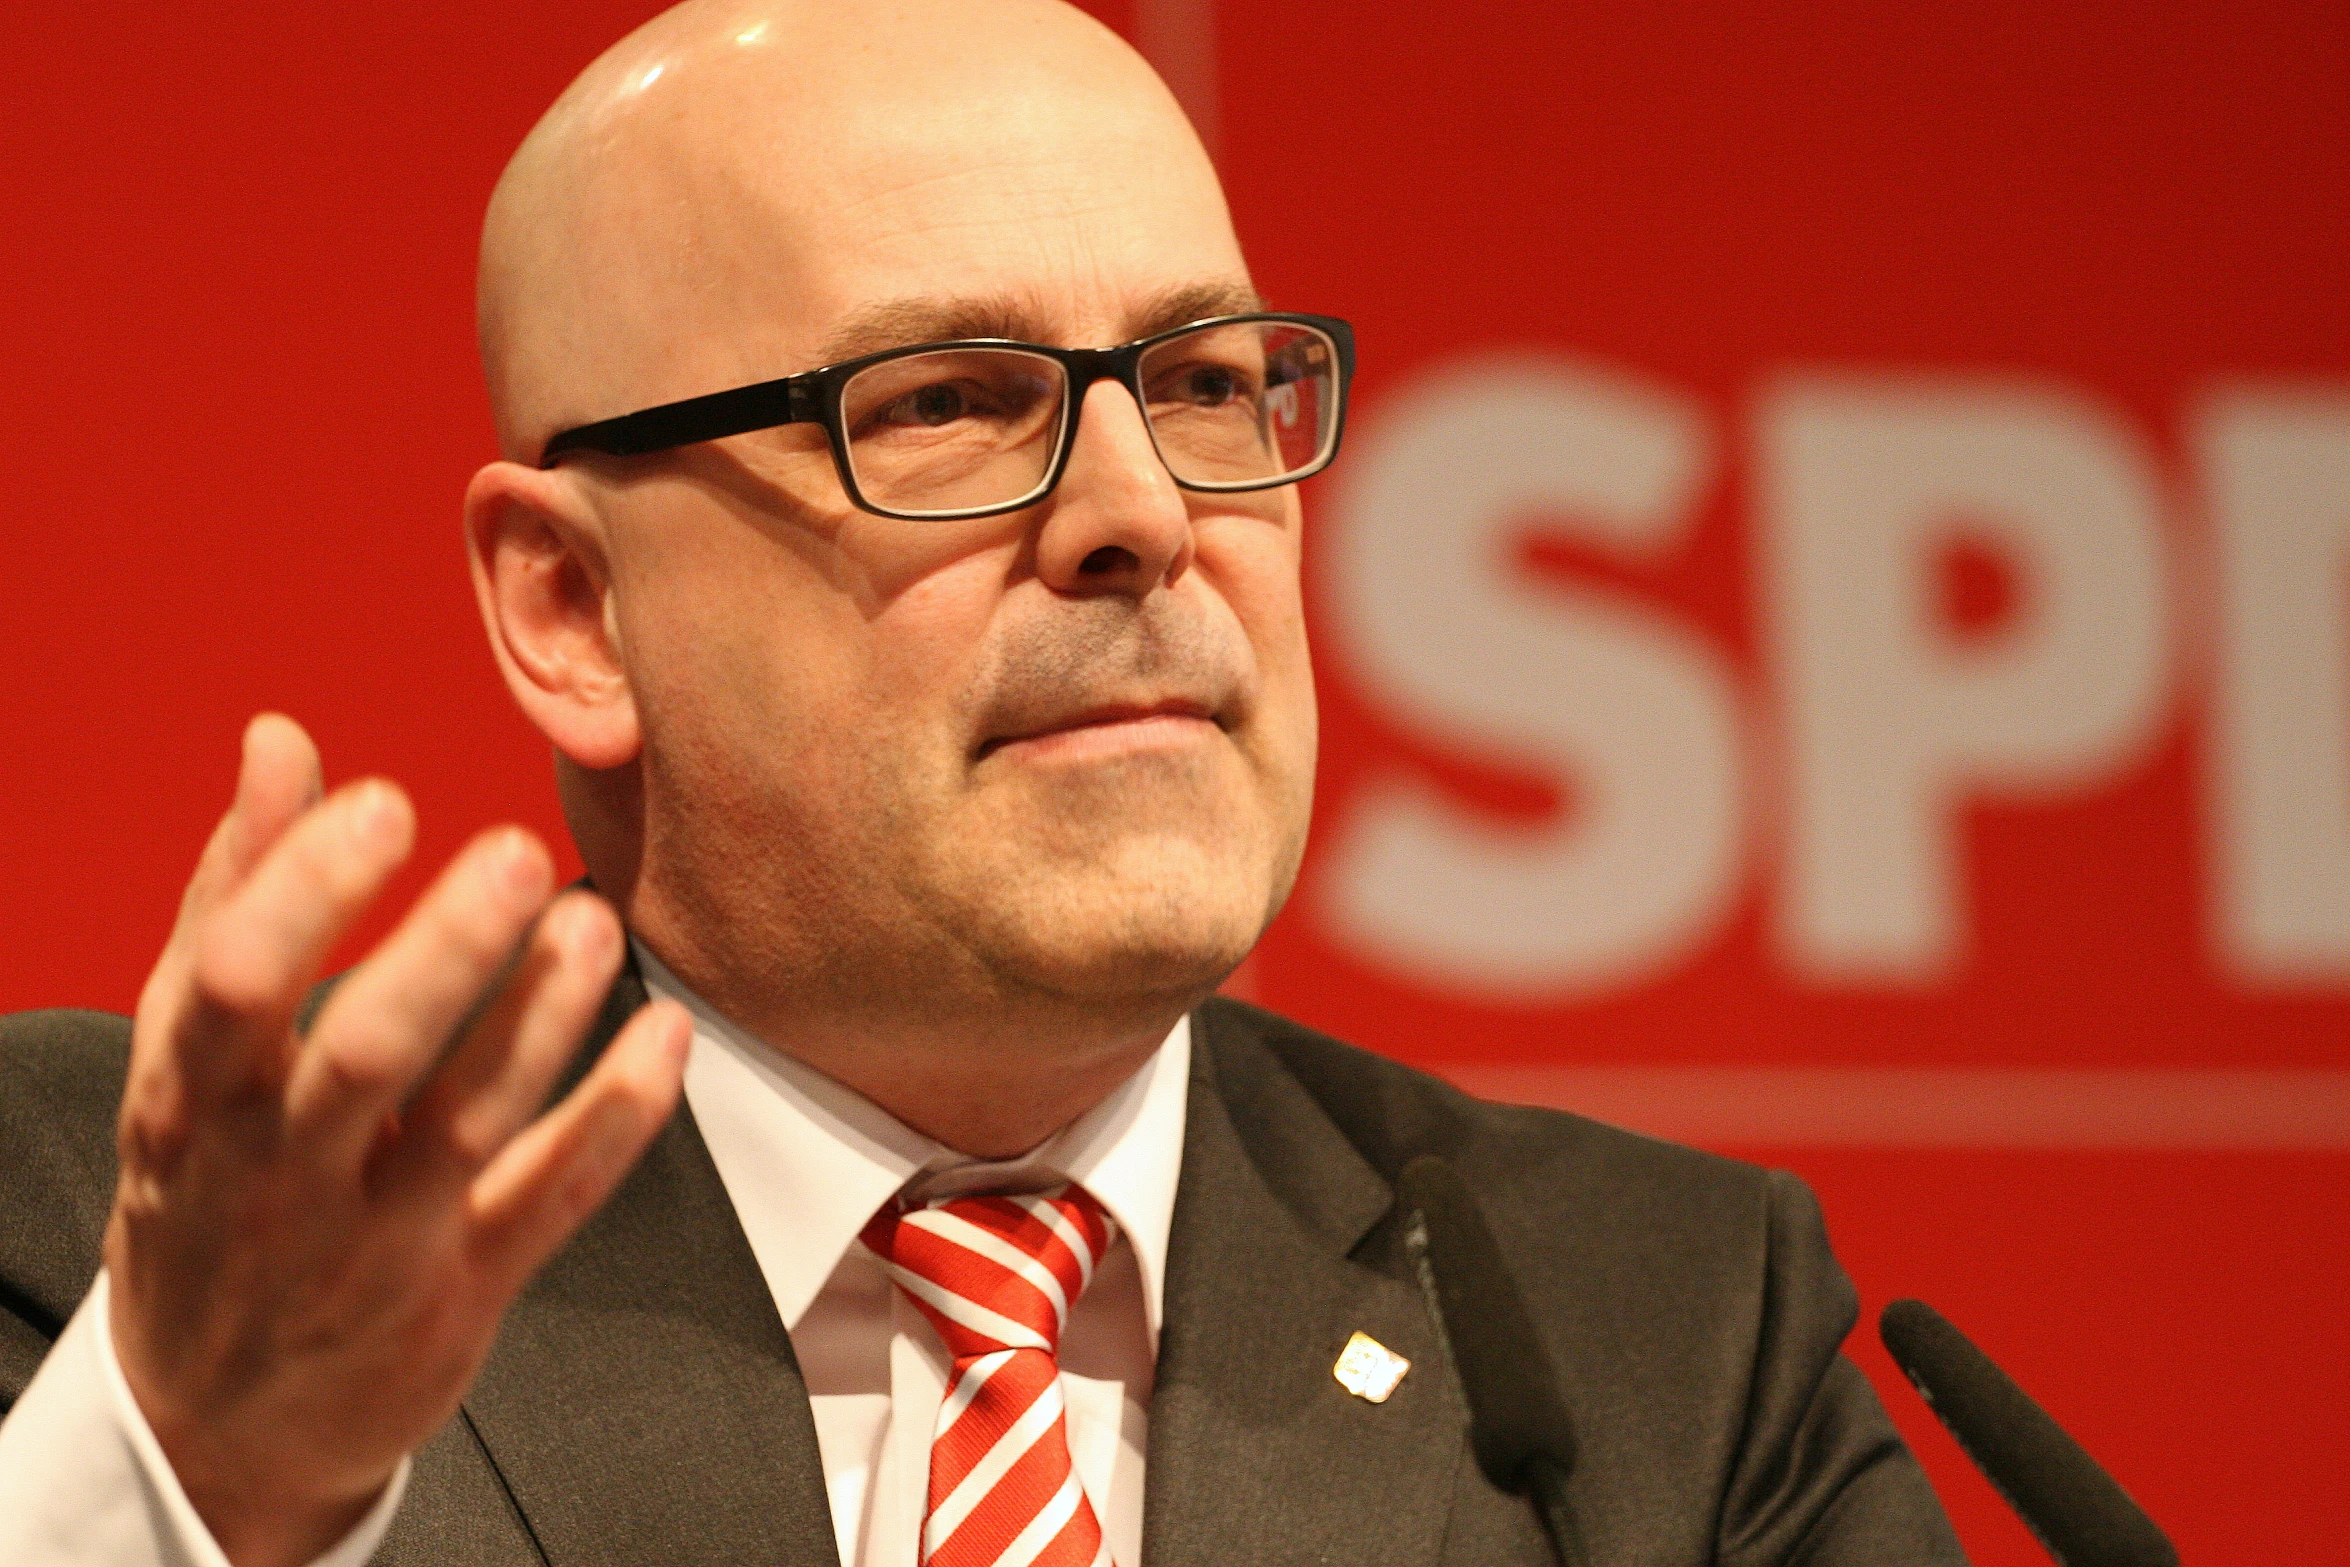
1238, 405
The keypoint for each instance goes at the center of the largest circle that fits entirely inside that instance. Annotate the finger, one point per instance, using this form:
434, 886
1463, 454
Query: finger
396, 1013
277, 780
254, 955
546, 1182
499, 1077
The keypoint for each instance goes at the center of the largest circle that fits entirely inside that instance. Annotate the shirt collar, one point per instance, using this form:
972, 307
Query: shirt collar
807, 1161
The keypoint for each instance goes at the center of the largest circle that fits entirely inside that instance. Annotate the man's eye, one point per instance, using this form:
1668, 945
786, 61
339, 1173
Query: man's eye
942, 402
1211, 386
1202, 386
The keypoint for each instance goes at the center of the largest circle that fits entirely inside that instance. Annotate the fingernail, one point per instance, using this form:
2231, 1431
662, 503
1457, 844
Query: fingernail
377, 816
517, 865
589, 937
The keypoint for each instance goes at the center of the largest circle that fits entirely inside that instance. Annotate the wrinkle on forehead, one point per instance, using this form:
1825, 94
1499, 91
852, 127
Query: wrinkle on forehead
709, 201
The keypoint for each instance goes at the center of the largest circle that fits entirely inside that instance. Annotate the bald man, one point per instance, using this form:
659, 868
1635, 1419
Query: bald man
937, 728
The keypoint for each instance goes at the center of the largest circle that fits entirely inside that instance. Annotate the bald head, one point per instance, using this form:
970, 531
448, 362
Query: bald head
741, 185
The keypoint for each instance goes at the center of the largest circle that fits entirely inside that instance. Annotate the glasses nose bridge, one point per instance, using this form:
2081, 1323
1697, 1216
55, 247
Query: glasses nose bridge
1084, 366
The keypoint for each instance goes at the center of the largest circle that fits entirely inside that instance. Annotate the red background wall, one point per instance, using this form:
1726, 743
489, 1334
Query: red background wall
241, 407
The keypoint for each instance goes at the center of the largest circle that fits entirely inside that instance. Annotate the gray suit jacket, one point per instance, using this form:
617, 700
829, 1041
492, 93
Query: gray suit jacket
642, 1404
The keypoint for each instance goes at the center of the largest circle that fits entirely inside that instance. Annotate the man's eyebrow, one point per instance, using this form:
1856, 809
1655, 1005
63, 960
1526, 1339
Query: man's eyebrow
900, 323
1192, 302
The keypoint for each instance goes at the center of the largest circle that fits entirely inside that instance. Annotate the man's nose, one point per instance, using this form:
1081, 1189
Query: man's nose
1117, 523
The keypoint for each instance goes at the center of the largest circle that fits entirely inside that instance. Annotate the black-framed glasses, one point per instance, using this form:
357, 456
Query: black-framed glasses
968, 429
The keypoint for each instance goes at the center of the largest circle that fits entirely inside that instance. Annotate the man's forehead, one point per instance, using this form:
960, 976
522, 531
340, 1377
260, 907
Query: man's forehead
907, 242
700, 211
896, 323
914, 240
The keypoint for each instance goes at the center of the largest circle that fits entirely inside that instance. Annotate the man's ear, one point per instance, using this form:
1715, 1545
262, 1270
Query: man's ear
544, 585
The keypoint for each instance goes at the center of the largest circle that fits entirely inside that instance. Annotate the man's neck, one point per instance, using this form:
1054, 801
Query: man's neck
992, 1084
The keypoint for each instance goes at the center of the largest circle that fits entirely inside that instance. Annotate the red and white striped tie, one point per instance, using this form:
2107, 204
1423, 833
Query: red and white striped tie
996, 1276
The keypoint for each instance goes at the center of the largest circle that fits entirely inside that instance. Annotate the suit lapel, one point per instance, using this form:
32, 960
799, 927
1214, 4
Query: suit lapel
642, 1403
1278, 1254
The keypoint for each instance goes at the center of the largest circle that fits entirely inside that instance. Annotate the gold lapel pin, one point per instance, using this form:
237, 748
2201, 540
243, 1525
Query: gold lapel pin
1369, 1369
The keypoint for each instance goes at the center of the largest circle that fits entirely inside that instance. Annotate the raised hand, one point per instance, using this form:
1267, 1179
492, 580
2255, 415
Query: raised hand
314, 1237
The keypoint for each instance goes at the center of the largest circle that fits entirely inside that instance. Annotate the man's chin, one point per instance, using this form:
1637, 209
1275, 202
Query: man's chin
1163, 976
1107, 940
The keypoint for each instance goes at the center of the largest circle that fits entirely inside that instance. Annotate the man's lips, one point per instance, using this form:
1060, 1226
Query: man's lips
1113, 727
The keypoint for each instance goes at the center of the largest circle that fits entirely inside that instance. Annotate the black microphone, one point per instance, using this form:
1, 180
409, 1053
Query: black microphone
2079, 1513
1517, 1421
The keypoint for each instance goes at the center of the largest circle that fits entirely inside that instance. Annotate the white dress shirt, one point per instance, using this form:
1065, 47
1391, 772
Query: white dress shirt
806, 1162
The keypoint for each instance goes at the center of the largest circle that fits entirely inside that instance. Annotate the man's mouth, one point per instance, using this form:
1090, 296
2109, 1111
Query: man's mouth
1111, 729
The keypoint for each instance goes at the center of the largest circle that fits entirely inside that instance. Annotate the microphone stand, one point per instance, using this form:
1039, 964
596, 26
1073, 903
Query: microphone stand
1546, 1478
1517, 1421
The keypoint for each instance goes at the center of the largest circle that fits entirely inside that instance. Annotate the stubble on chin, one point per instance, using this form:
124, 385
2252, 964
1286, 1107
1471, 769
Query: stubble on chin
1146, 877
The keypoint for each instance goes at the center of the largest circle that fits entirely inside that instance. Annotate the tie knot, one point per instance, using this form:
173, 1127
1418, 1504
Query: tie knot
995, 1273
